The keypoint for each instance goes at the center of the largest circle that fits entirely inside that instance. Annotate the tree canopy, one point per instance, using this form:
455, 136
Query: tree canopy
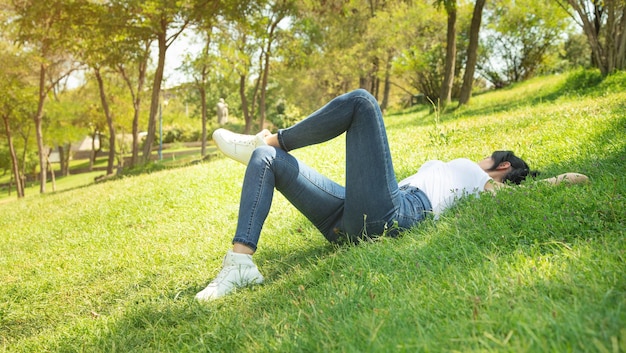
273, 60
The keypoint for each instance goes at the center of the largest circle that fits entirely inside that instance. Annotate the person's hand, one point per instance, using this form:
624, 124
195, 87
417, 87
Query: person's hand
569, 178
264, 133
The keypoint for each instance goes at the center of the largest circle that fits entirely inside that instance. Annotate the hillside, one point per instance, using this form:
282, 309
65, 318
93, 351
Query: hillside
114, 266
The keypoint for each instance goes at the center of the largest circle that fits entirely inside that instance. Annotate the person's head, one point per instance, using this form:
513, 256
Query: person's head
505, 166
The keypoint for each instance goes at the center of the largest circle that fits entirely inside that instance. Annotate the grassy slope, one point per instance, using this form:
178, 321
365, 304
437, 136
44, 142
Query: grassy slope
172, 157
114, 266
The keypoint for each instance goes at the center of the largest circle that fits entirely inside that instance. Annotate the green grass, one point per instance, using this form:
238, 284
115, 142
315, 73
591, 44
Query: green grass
113, 267
172, 158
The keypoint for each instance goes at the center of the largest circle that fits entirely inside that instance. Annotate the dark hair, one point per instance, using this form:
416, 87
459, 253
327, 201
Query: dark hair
520, 170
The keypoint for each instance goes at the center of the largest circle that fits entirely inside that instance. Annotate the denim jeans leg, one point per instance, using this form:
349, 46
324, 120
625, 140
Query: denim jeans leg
372, 193
314, 195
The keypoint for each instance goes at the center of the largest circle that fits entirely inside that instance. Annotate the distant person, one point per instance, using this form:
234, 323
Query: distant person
222, 112
370, 204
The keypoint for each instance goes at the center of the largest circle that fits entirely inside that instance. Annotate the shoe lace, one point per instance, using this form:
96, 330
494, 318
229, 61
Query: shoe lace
244, 140
222, 275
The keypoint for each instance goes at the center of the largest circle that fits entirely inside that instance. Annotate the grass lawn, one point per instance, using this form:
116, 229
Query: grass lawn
113, 267
171, 158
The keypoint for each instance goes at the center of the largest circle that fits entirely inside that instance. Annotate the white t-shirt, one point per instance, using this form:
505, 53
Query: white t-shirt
446, 182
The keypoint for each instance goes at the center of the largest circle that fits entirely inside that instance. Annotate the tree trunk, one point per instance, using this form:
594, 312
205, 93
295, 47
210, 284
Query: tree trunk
472, 53
156, 96
621, 47
24, 152
61, 151
15, 169
611, 46
202, 86
262, 108
255, 91
387, 84
204, 118
49, 167
374, 77
244, 103
94, 152
592, 37
39, 130
445, 95
64, 159
141, 80
615, 37
109, 117
136, 97
68, 154
134, 159
266, 70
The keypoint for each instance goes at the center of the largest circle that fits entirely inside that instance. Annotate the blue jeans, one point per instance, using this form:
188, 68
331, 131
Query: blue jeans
370, 203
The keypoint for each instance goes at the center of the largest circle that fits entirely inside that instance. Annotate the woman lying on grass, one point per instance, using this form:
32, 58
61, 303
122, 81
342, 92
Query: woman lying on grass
371, 203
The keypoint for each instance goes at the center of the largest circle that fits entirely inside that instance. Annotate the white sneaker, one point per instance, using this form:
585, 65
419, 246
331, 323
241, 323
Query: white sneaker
238, 146
238, 271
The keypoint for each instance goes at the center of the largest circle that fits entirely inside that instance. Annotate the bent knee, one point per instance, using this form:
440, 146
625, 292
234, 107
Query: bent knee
263, 153
362, 93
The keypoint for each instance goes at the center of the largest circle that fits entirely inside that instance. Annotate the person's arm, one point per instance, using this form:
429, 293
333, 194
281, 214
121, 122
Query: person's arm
569, 178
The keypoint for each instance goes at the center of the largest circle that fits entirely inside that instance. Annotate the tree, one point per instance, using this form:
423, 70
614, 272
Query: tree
98, 53
43, 29
109, 117
65, 124
275, 12
135, 86
166, 19
421, 61
519, 35
383, 42
132, 47
200, 67
242, 62
327, 50
209, 77
472, 53
331, 47
445, 95
14, 99
19, 186
604, 24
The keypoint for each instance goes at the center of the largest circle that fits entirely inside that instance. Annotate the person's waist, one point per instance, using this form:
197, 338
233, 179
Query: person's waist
414, 190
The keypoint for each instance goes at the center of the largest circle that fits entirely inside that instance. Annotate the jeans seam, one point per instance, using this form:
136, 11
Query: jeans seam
387, 159
255, 208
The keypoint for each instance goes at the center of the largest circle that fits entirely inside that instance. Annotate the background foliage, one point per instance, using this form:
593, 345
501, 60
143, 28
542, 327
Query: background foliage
272, 60
114, 266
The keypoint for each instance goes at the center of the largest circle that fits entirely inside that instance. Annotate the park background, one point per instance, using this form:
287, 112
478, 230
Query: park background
77, 69
113, 265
